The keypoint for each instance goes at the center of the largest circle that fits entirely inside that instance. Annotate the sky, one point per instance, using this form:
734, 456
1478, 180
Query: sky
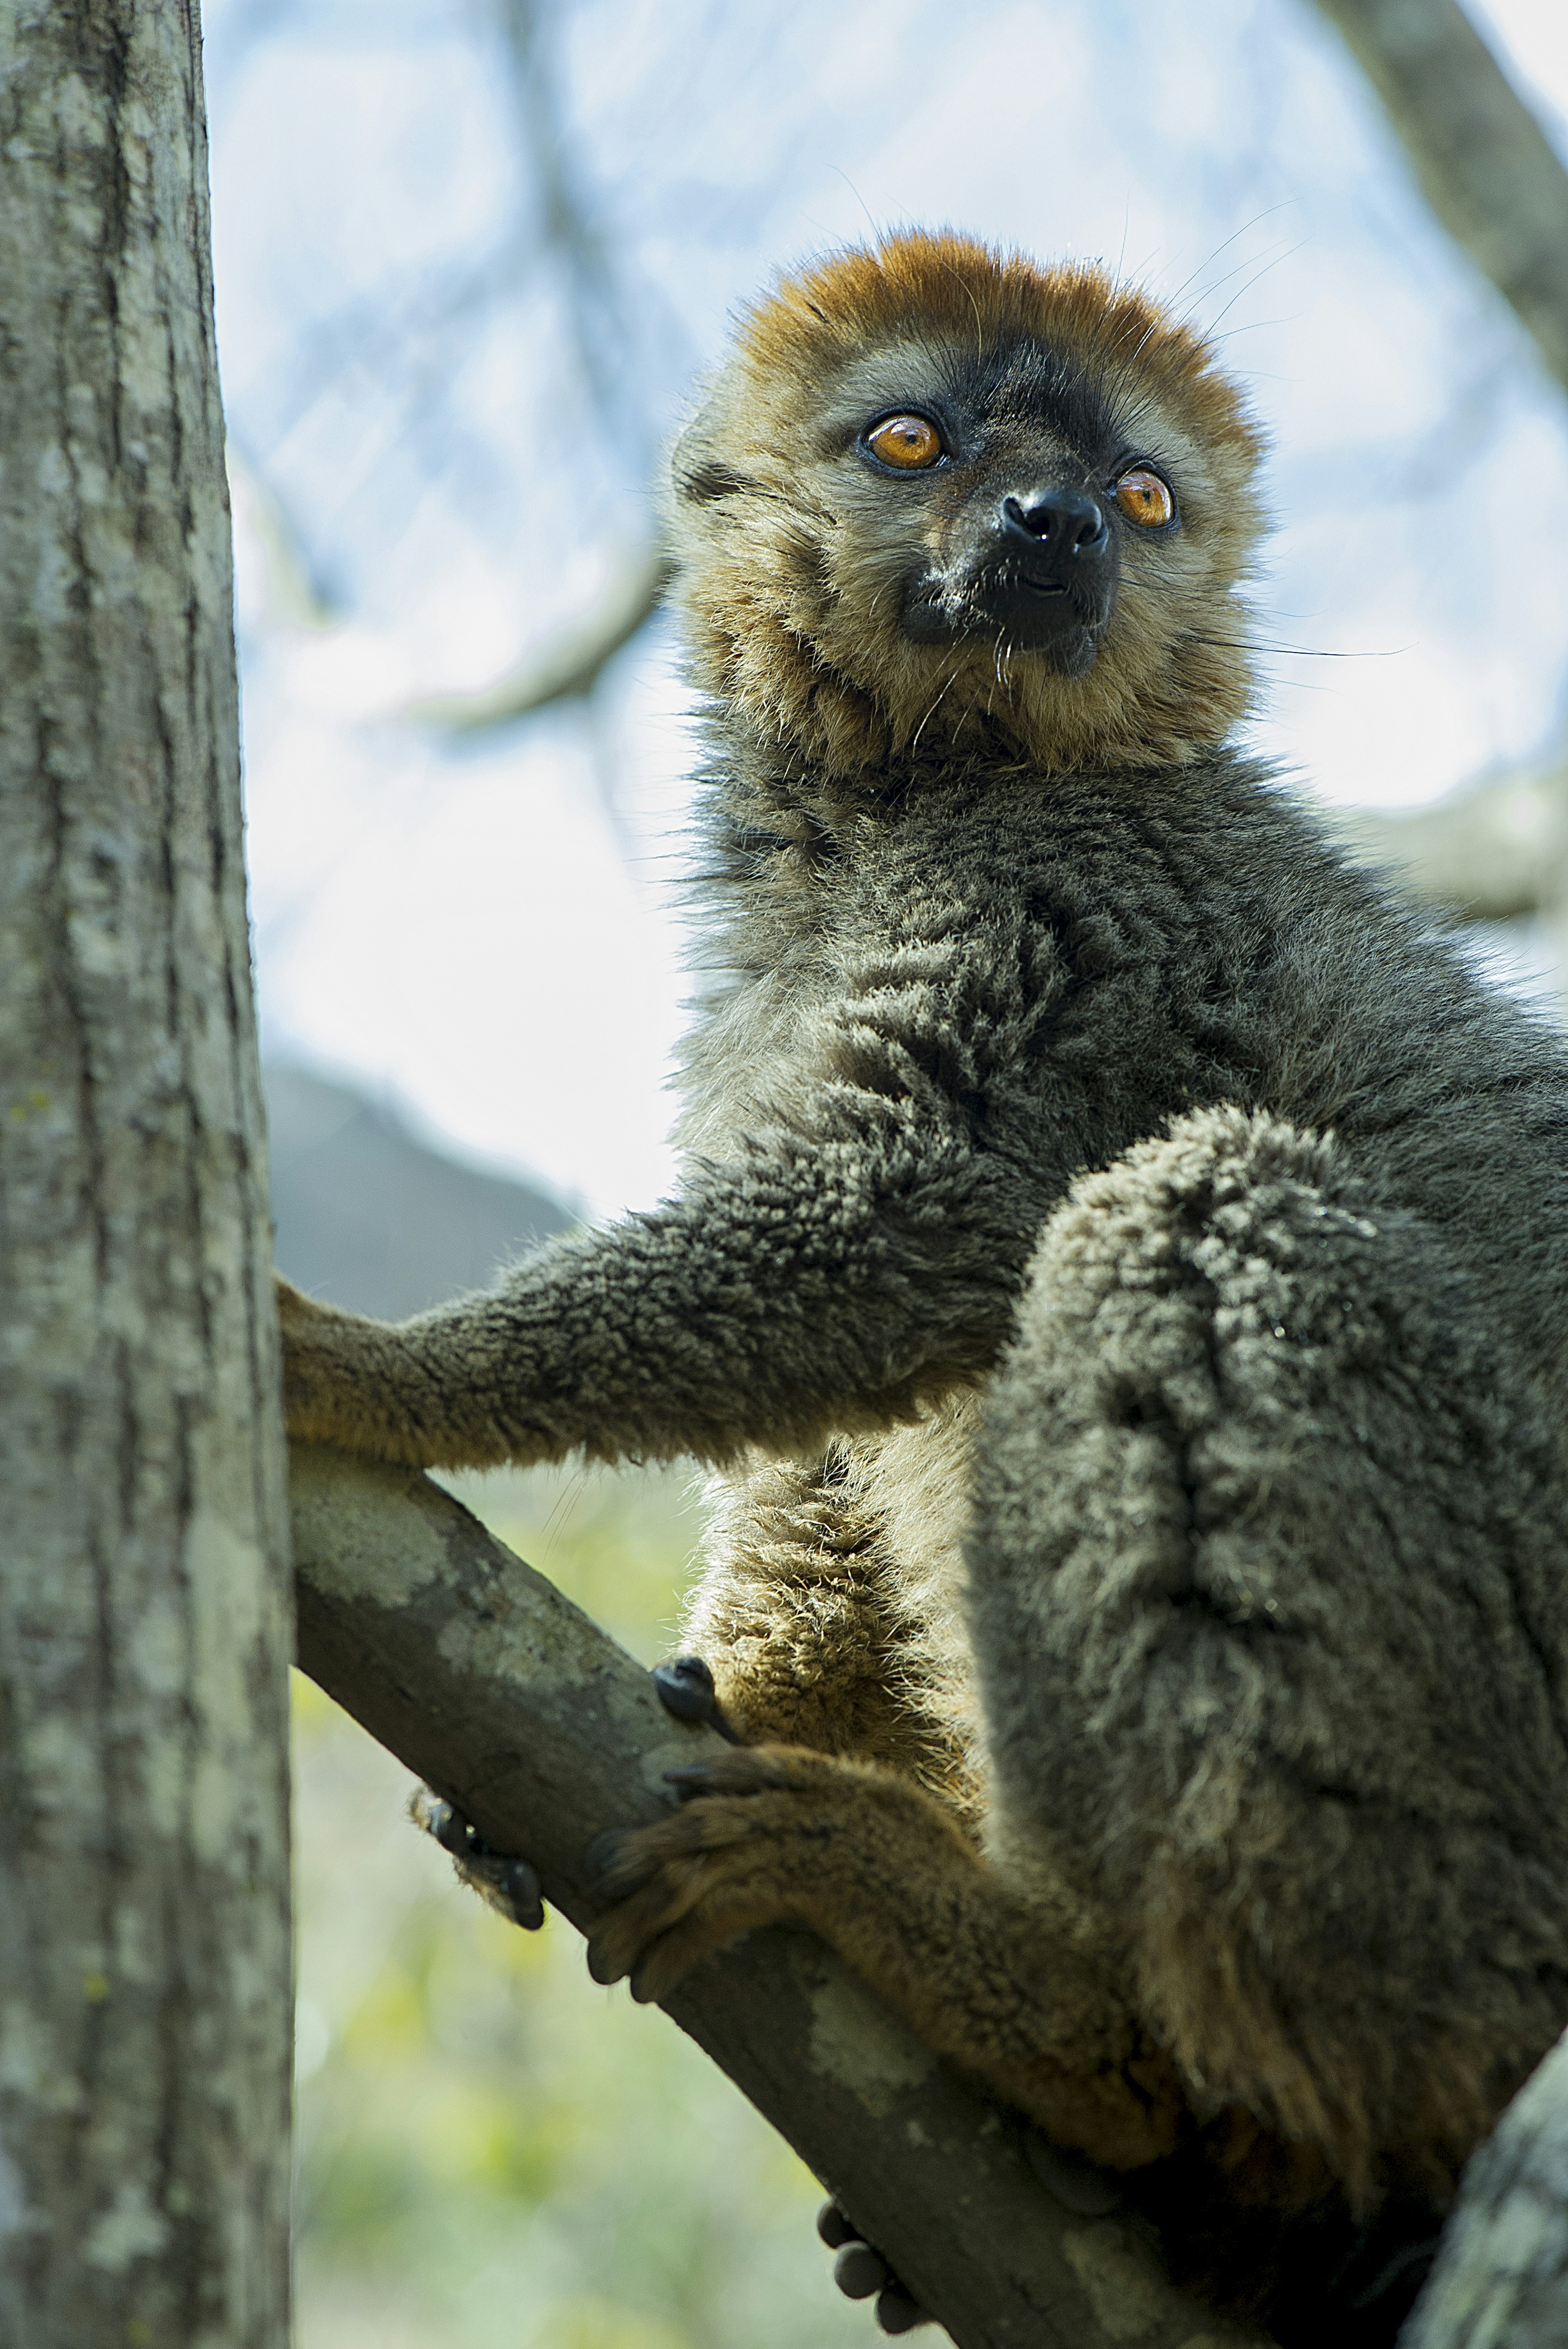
439, 459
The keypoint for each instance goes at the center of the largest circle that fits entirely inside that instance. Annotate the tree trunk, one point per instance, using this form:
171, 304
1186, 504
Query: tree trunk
144, 1602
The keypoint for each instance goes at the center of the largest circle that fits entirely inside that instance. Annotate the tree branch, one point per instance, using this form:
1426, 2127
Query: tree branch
481, 1676
1484, 163
1502, 2274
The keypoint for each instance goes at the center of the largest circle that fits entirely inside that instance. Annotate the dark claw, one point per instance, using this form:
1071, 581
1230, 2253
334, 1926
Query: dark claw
693, 1778
896, 2312
685, 1688
859, 2272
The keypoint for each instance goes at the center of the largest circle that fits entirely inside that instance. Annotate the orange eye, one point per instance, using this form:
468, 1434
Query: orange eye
910, 443
1144, 498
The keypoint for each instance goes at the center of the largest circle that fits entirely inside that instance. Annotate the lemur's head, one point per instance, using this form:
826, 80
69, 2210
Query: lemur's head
936, 490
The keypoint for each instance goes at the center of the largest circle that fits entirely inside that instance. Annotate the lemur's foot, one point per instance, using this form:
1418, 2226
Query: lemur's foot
509, 1885
859, 2272
764, 1833
686, 1689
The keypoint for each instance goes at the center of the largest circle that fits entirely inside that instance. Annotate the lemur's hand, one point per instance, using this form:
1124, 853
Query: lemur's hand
509, 1885
341, 1376
447, 1388
859, 2271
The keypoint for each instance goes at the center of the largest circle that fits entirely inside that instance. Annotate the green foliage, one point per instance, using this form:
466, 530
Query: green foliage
494, 2152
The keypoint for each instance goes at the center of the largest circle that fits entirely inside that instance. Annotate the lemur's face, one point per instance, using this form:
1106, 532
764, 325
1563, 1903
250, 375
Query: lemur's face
937, 489
1003, 492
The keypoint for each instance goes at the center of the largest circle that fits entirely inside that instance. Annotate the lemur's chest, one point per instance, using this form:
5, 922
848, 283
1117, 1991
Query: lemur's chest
1020, 974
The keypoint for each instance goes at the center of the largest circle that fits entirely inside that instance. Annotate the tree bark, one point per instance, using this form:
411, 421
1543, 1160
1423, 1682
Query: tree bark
145, 1620
1484, 163
477, 1673
1502, 2275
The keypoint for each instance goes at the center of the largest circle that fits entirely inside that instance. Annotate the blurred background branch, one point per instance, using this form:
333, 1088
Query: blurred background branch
1484, 162
565, 670
569, 242
1499, 851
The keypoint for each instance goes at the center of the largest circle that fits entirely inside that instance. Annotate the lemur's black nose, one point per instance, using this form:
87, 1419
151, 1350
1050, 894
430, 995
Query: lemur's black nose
1066, 522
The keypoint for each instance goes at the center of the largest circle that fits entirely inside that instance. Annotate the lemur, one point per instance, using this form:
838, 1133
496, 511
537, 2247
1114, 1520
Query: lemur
1121, 1278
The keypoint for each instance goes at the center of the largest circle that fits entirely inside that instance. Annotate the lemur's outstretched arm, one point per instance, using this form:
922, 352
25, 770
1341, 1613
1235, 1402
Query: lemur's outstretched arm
810, 1284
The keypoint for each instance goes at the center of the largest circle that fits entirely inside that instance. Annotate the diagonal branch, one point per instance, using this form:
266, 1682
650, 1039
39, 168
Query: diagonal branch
1485, 165
481, 1676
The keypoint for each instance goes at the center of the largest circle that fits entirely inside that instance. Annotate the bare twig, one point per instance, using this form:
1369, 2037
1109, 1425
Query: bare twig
1483, 162
566, 669
570, 234
295, 594
481, 1677
570, 239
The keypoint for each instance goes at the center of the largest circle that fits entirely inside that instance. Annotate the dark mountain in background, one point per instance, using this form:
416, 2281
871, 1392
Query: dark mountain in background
370, 1218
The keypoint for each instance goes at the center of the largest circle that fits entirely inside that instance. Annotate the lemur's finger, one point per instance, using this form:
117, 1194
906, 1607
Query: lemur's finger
612, 1866
835, 2227
703, 1917
685, 1688
751, 1770
450, 1829
518, 1886
896, 2312
508, 1883
624, 1860
620, 1939
859, 2271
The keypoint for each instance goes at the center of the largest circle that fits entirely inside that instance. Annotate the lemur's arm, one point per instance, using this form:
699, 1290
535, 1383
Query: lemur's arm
812, 1282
